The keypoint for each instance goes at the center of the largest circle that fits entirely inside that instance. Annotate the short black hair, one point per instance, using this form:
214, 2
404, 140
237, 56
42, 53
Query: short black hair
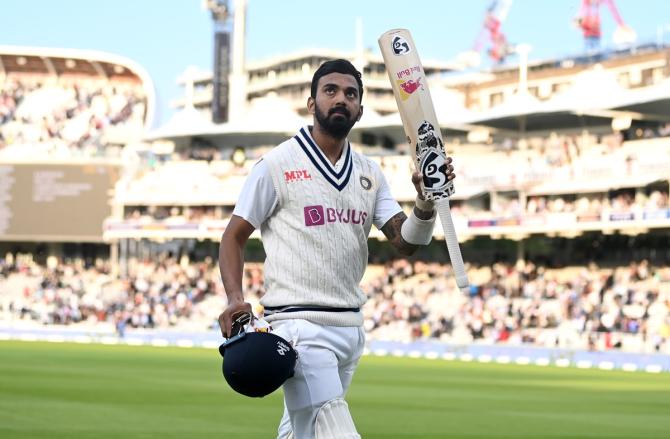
337, 66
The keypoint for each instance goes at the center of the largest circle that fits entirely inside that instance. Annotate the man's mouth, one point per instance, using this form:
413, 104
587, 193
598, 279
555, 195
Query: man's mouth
339, 110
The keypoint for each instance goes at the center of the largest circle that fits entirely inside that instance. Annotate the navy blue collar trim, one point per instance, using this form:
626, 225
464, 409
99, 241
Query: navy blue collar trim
338, 180
325, 162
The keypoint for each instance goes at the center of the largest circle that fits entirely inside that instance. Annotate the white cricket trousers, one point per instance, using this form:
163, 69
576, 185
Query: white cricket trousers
327, 359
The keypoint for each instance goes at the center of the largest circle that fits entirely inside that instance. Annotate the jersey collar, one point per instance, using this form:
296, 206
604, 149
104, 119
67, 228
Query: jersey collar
338, 179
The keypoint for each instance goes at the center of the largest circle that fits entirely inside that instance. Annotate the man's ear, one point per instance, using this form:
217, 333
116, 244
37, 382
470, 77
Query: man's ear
311, 105
360, 114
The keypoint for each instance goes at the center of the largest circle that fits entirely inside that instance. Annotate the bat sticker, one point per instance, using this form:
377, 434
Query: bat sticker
400, 45
409, 71
432, 162
408, 87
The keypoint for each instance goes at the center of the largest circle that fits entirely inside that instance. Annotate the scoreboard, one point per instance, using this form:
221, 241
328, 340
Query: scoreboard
65, 202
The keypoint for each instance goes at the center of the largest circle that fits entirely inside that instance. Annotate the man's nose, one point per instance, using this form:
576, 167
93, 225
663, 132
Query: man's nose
340, 98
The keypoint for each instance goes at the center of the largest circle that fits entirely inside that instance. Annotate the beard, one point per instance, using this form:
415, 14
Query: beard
337, 123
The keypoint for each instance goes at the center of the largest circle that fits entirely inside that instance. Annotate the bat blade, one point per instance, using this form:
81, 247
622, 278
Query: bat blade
417, 112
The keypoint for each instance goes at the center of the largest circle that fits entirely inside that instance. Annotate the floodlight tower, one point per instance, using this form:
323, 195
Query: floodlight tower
238, 77
229, 81
220, 14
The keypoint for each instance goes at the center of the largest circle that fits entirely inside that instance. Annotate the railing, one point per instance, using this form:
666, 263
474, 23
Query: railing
514, 227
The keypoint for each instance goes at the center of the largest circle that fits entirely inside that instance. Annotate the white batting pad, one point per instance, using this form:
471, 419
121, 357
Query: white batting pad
333, 421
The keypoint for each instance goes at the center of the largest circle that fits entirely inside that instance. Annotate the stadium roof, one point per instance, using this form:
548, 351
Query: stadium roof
594, 100
268, 120
651, 103
390, 126
449, 109
539, 121
184, 123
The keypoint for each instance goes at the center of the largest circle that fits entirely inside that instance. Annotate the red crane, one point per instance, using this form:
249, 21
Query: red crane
496, 14
588, 20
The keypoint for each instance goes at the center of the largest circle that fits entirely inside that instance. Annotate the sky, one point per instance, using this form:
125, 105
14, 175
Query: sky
167, 36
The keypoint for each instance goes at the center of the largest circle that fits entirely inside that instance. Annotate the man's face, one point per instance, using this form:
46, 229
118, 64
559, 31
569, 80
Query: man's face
337, 106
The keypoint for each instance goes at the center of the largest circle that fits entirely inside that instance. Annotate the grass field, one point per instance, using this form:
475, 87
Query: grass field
96, 391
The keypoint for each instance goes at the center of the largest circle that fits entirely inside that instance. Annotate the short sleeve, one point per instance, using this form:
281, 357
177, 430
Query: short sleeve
386, 206
258, 198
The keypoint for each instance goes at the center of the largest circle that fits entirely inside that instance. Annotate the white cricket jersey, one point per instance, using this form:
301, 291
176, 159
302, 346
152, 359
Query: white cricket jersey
258, 198
315, 226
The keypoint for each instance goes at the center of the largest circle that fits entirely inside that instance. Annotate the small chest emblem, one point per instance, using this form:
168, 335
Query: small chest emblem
366, 183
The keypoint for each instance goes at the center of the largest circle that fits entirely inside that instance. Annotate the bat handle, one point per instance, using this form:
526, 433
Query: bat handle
452, 243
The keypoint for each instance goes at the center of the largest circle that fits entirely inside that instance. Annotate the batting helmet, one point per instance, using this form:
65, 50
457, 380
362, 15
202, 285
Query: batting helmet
257, 363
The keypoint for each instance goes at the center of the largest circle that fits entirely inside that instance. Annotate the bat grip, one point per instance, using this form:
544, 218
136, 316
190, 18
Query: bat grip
452, 243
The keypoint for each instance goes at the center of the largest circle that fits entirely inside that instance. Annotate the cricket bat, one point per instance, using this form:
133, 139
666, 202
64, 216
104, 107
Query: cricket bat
417, 112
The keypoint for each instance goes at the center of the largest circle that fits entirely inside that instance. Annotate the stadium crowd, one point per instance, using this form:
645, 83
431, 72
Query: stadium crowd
539, 168
597, 203
587, 205
581, 204
627, 307
67, 118
153, 294
177, 213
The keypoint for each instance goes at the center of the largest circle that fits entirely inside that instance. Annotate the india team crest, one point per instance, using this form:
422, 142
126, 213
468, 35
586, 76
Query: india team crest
366, 183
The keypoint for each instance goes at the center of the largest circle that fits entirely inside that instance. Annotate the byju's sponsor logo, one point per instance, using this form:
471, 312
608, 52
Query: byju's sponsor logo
320, 215
314, 216
297, 175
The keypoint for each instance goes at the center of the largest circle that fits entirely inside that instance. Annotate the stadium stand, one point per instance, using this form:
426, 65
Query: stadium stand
572, 179
563, 224
65, 103
625, 308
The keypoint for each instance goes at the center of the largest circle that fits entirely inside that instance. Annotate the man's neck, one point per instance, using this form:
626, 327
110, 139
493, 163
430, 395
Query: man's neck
330, 146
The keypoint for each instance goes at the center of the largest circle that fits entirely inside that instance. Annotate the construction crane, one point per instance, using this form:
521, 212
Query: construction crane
588, 20
495, 16
490, 31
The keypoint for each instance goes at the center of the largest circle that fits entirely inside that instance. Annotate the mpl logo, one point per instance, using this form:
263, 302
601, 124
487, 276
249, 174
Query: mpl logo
297, 175
319, 215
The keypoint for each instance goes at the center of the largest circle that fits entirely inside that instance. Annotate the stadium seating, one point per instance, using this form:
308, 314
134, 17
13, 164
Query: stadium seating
78, 113
625, 307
